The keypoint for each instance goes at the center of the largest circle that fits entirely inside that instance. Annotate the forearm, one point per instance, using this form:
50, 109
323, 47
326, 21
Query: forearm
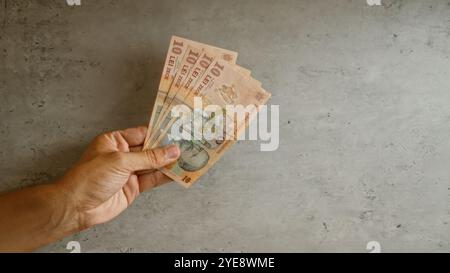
36, 216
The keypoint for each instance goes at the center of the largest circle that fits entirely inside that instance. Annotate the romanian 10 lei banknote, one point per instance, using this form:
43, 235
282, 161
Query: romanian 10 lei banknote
204, 103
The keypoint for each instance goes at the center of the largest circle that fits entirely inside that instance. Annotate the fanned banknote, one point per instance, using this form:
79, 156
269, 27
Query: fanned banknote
181, 91
209, 75
177, 49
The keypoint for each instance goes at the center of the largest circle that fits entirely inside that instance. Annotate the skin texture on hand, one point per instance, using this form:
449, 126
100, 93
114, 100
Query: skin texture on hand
103, 183
112, 173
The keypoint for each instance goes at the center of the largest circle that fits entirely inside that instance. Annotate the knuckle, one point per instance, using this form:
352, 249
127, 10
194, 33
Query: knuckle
117, 157
152, 157
101, 138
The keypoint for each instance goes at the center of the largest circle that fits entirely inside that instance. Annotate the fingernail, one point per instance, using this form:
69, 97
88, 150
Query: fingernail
172, 152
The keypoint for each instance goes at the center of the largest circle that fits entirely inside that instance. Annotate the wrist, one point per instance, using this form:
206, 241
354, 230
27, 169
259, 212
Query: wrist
66, 218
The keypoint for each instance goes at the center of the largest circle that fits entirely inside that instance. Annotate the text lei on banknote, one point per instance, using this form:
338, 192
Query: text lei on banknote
194, 71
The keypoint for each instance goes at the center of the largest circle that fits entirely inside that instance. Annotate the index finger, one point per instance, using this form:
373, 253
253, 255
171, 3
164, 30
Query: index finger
134, 136
151, 180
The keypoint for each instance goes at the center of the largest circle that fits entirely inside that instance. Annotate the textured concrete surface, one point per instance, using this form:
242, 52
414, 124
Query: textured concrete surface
364, 104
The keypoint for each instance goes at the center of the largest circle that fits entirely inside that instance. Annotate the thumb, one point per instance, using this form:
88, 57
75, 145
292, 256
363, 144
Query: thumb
150, 159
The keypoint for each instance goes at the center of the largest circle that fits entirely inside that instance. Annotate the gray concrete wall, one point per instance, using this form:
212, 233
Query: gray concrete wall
364, 119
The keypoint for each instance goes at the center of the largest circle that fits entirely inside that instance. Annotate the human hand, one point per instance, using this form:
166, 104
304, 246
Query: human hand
111, 174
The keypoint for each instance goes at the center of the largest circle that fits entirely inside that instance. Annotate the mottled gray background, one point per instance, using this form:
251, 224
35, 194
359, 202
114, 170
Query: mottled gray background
364, 119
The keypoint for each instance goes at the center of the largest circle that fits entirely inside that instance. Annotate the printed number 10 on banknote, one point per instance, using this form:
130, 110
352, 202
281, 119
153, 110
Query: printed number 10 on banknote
175, 53
177, 49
